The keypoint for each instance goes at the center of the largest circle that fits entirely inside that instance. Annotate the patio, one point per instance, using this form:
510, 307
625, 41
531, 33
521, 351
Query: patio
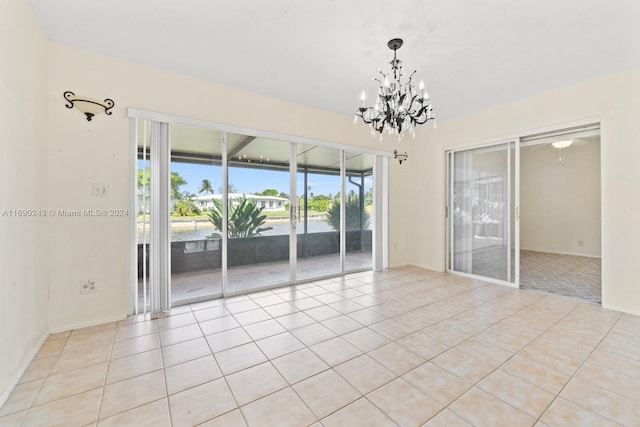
200, 284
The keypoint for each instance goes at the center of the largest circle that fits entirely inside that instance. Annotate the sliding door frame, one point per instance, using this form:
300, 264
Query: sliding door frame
511, 143
380, 229
517, 138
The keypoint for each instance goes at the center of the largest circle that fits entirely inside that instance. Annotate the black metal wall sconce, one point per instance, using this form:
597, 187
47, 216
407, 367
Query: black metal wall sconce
402, 157
89, 106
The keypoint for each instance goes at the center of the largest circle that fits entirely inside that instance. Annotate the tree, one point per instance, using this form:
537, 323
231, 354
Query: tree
205, 187
368, 197
245, 219
175, 182
144, 190
185, 207
231, 188
144, 184
269, 192
319, 203
352, 212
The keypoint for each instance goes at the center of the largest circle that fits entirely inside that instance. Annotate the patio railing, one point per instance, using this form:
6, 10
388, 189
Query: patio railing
198, 255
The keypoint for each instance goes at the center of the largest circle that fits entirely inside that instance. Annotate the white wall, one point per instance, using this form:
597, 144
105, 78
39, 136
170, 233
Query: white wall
23, 173
613, 99
560, 201
81, 153
52, 155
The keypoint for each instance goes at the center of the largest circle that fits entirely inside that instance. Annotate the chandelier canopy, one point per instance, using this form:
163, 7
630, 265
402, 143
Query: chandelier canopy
399, 107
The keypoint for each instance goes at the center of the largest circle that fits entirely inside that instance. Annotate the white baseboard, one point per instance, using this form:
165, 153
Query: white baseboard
71, 326
560, 253
32, 353
25, 364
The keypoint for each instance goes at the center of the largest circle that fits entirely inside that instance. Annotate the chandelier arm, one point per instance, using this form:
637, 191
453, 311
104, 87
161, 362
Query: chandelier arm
364, 119
378, 126
415, 99
426, 119
398, 106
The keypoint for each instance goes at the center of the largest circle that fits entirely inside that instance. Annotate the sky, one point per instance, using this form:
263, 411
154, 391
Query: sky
248, 180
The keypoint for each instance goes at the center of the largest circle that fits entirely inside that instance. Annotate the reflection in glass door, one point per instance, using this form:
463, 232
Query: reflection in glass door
481, 212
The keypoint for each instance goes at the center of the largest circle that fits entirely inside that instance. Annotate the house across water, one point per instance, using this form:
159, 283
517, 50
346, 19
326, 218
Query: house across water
269, 203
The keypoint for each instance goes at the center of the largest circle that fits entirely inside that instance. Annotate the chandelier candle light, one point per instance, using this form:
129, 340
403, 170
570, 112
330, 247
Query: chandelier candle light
399, 107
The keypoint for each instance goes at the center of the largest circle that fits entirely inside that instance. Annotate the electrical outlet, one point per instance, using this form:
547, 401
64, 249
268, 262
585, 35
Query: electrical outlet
100, 189
88, 286
580, 242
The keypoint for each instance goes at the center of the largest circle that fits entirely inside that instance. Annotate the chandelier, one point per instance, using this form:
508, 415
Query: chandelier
399, 107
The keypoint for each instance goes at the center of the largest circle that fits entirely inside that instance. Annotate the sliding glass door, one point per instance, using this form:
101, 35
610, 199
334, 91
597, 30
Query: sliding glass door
194, 183
318, 211
482, 212
222, 213
258, 213
359, 213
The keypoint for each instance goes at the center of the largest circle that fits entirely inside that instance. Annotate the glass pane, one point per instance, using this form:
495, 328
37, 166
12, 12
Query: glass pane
258, 234
143, 205
196, 175
512, 211
318, 213
480, 212
359, 211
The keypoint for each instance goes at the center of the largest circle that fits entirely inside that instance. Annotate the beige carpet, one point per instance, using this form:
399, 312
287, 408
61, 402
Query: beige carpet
572, 276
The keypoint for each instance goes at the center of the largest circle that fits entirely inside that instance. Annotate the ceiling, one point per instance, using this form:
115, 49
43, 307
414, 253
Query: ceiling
471, 55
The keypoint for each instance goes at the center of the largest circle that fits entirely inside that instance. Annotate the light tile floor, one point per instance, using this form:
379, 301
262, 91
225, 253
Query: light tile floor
403, 347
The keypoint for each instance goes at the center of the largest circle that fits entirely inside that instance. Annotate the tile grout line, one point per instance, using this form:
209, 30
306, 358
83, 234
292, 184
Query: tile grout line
578, 370
557, 395
28, 410
224, 377
574, 314
473, 385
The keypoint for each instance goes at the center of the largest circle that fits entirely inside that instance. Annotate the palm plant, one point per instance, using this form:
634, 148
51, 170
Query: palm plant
206, 187
245, 219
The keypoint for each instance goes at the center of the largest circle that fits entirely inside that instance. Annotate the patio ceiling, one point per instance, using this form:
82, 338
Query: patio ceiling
197, 145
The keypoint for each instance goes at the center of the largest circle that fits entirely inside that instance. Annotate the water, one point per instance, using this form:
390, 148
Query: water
200, 230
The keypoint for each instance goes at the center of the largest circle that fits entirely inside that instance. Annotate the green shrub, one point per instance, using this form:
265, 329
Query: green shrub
245, 219
352, 212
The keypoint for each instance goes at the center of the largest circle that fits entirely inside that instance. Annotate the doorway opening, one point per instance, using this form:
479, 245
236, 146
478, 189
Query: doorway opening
560, 245
526, 213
